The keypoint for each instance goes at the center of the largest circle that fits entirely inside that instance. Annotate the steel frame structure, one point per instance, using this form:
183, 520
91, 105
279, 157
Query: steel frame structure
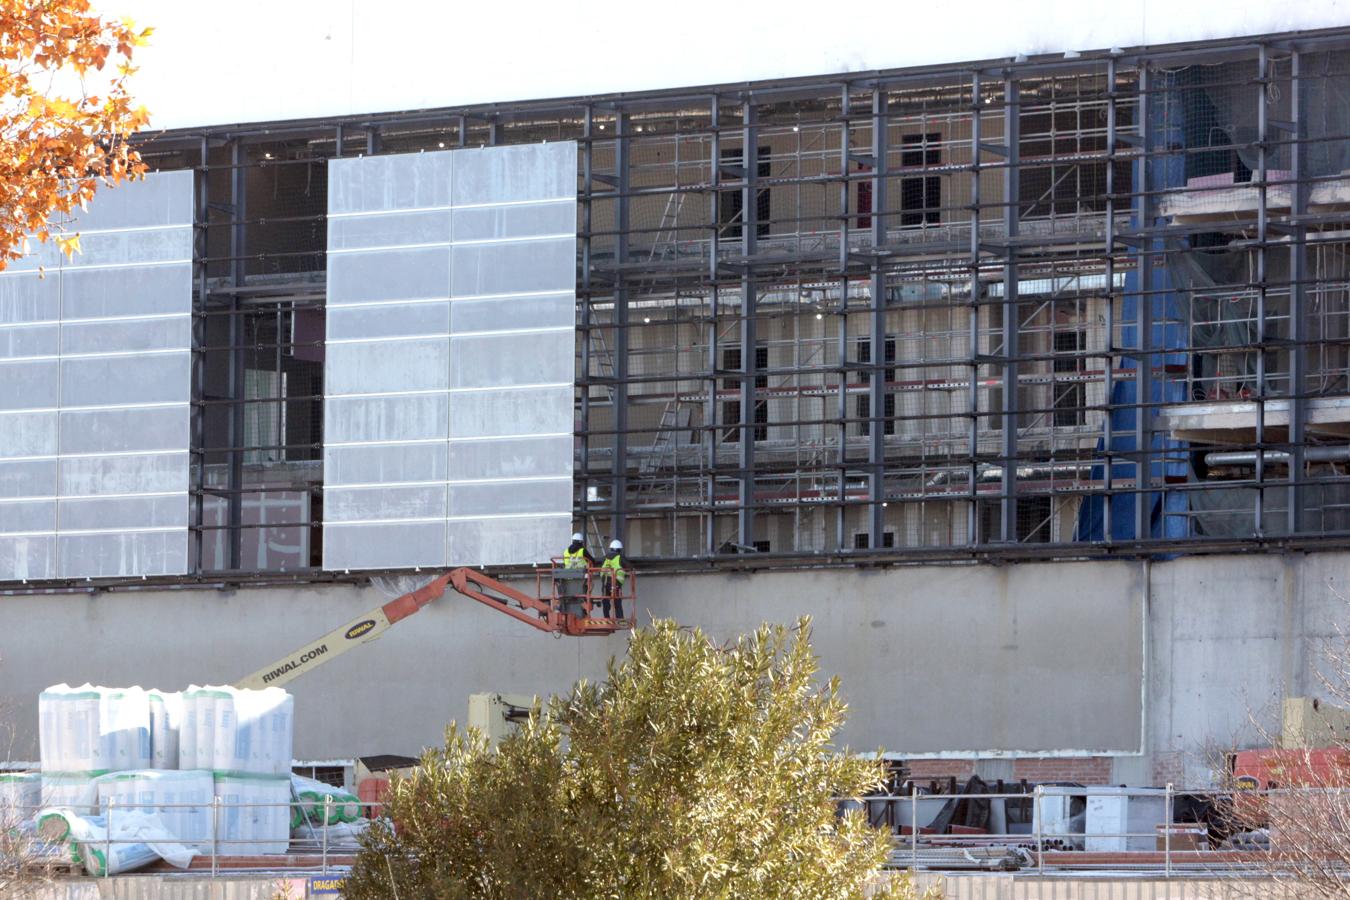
740, 245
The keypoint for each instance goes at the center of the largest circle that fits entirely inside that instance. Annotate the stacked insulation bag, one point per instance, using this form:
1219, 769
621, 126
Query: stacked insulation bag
152, 762
85, 732
20, 797
244, 738
325, 815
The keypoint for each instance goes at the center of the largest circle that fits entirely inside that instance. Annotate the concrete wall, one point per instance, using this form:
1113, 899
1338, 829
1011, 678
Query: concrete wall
957, 660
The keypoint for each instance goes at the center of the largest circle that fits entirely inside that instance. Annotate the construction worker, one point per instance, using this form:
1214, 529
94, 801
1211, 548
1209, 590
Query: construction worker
615, 576
573, 579
576, 556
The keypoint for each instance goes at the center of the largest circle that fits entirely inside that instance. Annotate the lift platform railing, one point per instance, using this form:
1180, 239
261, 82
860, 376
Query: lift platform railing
593, 596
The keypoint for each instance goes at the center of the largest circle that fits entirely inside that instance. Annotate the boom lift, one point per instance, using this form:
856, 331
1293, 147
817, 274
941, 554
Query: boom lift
565, 601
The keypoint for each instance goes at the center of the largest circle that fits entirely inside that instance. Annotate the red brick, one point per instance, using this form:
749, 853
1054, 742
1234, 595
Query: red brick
1081, 769
922, 770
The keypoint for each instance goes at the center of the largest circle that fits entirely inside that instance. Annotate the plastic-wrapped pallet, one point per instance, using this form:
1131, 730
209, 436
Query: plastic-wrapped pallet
166, 718
255, 814
180, 799
227, 729
20, 797
73, 790
311, 805
93, 729
133, 840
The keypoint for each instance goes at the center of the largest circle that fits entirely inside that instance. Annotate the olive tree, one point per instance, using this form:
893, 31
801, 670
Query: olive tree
694, 770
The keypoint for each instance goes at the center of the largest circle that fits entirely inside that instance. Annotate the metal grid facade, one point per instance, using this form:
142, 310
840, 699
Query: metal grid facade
1054, 307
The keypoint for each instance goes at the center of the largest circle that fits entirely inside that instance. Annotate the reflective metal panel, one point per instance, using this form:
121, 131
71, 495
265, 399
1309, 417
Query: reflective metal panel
95, 357
450, 365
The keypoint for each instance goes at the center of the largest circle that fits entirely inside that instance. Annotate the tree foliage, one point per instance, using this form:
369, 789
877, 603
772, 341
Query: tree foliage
66, 116
694, 770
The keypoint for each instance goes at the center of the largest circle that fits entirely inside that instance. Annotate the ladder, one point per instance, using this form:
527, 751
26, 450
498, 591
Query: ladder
674, 419
603, 359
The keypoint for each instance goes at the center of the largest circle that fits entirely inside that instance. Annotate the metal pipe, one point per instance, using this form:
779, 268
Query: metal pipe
1275, 457
995, 473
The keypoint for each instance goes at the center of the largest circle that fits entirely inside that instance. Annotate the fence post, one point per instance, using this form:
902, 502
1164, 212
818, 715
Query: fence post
913, 827
1040, 828
1167, 833
107, 836
215, 833
327, 817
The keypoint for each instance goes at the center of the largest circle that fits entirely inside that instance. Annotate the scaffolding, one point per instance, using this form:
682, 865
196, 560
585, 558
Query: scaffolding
975, 310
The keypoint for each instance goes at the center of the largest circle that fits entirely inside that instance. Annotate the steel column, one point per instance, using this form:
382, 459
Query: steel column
1143, 373
1262, 234
1109, 351
745, 524
1298, 273
238, 277
876, 383
712, 433
1011, 323
841, 428
973, 390
201, 231
583, 435
622, 223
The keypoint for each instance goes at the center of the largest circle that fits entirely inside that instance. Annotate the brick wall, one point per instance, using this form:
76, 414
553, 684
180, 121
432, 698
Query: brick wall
1082, 769
924, 770
1169, 767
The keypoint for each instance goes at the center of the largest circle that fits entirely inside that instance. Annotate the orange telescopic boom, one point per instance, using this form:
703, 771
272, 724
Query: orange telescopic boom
565, 601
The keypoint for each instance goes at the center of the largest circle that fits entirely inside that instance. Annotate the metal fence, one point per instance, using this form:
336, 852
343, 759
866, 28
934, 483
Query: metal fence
1064, 828
1048, 829
310, 847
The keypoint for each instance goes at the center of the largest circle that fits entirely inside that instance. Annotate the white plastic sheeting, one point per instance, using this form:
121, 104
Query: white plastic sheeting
450, 360
89, 730
95, 380
180, 799
107, 846
74, 790
226, 729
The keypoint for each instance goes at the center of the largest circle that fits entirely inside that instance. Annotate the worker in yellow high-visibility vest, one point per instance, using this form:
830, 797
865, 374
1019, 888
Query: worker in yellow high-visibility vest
572, 581
576, 556
614, 575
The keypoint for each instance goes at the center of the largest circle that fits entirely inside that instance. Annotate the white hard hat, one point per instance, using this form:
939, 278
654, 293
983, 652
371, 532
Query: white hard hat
576, 536
616, 544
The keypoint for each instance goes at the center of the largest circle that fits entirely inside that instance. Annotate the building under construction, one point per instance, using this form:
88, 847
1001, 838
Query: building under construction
1042, 308
1063, 307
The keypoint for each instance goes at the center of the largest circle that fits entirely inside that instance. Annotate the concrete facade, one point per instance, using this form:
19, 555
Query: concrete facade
975, 661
